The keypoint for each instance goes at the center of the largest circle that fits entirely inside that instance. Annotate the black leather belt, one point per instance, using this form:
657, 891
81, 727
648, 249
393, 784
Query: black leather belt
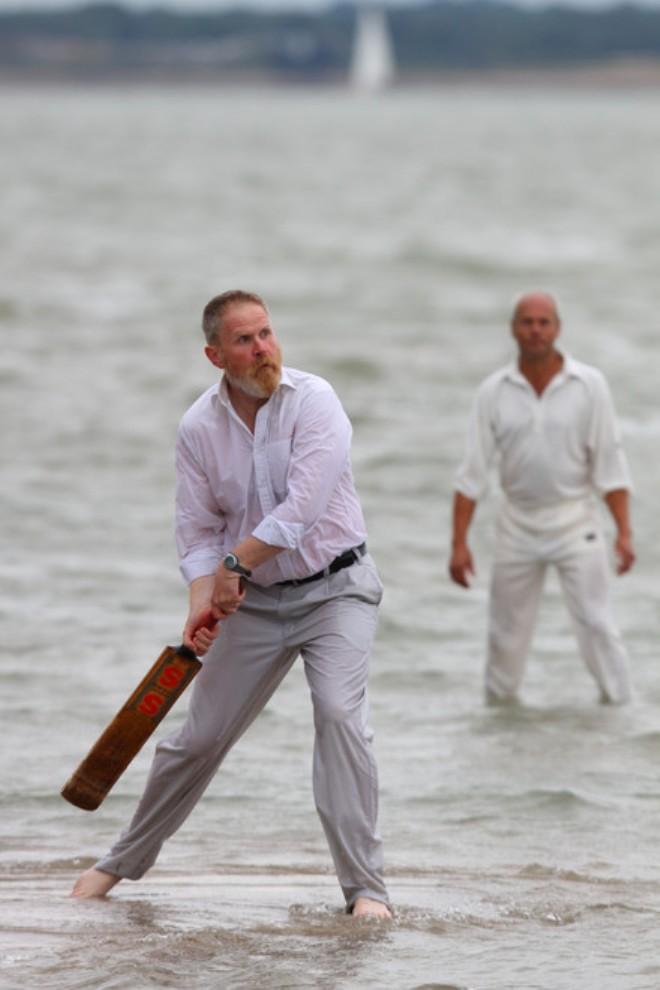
343, 560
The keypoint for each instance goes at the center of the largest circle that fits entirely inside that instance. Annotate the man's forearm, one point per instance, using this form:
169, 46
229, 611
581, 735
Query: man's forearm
199, 591
463, 511
618, 502
252, 552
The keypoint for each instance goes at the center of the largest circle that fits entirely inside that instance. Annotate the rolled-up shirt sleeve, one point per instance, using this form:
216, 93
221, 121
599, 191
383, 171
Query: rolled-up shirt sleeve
609, 465
199, 524
319, 459
472, 477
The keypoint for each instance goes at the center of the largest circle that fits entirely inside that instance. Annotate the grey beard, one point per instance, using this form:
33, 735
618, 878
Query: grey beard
248, 385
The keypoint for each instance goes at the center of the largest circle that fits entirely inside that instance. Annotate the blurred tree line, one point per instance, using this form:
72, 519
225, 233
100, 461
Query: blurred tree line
443, 35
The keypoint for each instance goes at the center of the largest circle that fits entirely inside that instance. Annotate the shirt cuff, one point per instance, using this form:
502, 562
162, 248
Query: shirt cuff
199, 566
614, 485
472, 491
279, 534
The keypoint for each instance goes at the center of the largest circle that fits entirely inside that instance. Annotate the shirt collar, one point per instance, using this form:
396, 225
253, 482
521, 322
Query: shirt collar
570, 369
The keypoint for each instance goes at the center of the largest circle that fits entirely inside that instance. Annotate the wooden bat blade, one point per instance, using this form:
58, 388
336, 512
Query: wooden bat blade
131, 727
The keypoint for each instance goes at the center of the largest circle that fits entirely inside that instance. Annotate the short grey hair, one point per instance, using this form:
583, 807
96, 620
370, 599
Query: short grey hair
216, 308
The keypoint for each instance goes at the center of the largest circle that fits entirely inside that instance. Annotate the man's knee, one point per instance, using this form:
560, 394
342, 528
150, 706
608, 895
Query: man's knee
336, 710
188, 745
597, 625
506, 648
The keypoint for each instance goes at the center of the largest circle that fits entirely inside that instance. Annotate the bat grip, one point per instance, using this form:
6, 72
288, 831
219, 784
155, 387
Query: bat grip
186, 652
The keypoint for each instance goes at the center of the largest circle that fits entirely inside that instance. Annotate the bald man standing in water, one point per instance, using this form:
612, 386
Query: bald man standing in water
550, 423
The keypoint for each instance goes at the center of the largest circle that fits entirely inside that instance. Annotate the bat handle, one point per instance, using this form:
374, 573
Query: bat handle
186, 652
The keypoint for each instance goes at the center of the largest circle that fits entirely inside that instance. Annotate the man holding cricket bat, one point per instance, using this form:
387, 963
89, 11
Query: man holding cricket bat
271, 541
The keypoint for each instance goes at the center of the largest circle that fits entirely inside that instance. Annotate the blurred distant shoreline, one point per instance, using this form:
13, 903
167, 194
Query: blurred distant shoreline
617, 75
438, 43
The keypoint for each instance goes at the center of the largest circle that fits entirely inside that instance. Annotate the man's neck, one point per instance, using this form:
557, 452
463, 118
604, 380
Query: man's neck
540, 372
246, 406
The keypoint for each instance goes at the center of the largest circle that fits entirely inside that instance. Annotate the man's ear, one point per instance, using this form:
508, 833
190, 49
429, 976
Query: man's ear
214, 355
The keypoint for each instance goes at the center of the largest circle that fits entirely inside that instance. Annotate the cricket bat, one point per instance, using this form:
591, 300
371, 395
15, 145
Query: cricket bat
131, 727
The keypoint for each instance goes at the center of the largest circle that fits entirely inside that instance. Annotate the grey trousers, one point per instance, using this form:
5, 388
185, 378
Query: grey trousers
331, 623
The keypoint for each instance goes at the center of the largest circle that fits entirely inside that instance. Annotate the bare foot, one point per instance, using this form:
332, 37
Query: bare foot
366, 907
94, 883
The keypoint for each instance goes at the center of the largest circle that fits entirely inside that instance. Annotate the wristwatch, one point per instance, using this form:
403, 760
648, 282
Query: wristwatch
232, 563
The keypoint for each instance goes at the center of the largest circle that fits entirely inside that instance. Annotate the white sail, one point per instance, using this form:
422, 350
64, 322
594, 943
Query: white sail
373, 59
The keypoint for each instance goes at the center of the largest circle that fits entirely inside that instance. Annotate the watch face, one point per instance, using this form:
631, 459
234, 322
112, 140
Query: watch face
233, 564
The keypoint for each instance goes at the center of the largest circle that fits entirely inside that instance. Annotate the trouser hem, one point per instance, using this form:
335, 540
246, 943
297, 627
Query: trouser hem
115, 871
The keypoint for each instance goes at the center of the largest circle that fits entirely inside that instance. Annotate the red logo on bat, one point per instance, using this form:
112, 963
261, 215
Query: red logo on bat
170, 678
151, 703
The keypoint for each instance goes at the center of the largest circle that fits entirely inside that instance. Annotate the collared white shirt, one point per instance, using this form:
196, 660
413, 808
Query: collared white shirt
289, 484
553, 448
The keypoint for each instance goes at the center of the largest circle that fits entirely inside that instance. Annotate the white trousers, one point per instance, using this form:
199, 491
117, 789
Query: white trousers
331, 624
515, 591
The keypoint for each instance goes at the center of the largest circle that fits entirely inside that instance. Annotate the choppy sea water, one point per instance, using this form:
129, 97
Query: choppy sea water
390, 236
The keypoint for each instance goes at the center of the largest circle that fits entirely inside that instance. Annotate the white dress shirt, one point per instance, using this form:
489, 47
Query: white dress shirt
289, 484
553, 450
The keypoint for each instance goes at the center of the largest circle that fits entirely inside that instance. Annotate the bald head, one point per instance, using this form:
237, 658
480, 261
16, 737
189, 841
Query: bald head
544, 299
535, 326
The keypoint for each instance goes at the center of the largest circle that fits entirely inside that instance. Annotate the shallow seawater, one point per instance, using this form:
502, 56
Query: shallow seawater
390, 237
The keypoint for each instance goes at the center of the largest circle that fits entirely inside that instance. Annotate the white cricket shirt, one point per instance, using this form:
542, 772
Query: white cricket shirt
551, 449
